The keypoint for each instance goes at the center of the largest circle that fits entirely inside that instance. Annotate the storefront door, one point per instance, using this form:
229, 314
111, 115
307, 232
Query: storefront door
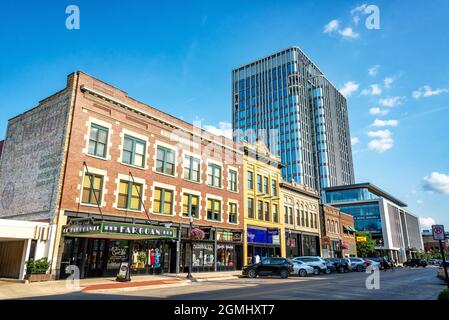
97, 250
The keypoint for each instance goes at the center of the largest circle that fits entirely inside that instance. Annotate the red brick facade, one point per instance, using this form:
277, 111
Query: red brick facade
99, 103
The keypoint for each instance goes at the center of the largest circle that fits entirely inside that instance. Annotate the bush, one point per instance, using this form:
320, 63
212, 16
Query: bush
38, 266
444, 295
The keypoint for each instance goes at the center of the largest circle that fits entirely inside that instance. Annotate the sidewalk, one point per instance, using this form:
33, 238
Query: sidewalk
21, 290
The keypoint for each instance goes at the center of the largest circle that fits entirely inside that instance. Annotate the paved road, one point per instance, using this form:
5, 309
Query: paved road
402, 284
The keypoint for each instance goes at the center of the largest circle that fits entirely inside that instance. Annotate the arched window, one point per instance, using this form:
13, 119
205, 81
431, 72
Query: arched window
328, 225
336, 227
332, 226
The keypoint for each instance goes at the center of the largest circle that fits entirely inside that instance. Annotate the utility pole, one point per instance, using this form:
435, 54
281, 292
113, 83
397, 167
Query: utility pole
440, 235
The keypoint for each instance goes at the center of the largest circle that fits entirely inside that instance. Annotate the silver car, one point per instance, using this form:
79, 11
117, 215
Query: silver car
318, 263
301, 268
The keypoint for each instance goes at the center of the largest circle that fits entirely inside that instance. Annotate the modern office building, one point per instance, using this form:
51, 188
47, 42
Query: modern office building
395, 229
286, 101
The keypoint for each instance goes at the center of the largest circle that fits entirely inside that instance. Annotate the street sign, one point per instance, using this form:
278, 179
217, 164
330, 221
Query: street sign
438, 232
361, 239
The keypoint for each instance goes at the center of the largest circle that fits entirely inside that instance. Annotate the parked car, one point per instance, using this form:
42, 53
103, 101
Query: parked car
269, 267
337, 264
302, 269
415, 263
317, 263
378, 260
358, 264
374, 263
440, 271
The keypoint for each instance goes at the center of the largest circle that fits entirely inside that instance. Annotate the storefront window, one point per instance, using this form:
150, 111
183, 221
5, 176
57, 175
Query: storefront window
203, 256
226, 257
118, 253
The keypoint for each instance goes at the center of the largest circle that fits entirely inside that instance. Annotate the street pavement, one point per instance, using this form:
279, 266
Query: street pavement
401, 284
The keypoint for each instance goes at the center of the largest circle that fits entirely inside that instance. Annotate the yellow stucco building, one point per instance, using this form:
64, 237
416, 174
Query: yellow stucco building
263, 222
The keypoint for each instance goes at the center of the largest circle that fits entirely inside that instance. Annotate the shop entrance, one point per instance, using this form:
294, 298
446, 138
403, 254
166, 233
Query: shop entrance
259, 252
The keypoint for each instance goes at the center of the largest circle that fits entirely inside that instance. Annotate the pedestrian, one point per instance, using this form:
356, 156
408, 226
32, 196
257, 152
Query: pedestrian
393, 264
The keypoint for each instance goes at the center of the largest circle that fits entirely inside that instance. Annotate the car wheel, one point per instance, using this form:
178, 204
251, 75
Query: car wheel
327, 271
284, 274
252, 273
317, 270
302, 273
359, 268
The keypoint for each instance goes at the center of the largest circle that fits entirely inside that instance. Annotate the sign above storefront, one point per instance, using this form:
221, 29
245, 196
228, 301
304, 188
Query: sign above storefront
115, 230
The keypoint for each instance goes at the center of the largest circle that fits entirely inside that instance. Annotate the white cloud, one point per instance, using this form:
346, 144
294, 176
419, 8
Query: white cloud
382, 140
349, 88
360, 8
437, 182
427, 91
223, 129
382, 134
374, 90
354, 141
373, 70
388, 81
376, 111
426, 222
392, 101
381, 145
331, 26
348, 33
385, 123
419, 201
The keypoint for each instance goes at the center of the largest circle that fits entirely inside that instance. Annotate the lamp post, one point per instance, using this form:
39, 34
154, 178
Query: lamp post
189, 275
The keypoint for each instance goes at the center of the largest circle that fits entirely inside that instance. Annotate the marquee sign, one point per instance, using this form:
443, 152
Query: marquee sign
106, 229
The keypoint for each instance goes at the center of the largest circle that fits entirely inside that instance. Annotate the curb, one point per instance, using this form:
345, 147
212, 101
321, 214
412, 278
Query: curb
160, 286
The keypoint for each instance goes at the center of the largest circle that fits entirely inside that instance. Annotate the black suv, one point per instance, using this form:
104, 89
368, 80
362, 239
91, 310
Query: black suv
337, 265
269, 267
415, 263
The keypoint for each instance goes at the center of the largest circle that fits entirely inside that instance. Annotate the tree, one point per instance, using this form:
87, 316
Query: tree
366, 248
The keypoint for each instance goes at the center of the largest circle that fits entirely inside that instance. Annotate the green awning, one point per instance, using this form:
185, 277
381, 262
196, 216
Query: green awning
349, 228
112, 230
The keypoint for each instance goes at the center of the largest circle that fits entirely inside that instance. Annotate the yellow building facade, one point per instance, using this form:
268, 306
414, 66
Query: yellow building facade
263, 222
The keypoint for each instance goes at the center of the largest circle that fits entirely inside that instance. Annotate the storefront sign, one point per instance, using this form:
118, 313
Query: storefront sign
123, 271
361, 239
268, 236
229, 236
80, 227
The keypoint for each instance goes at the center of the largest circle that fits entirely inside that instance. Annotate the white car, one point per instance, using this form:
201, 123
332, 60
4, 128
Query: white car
301, 268
373, 263
318, 263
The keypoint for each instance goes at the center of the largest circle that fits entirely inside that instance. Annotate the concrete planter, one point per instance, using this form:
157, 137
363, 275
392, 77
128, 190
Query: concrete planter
37, 277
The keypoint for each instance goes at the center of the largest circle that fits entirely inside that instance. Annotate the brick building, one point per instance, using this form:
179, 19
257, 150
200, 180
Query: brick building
127, 181
301, 219
338, 233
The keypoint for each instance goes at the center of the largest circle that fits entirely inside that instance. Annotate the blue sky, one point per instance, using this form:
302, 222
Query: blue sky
178, 57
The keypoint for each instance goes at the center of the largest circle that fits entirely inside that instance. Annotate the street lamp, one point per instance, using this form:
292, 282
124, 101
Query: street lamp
189, 275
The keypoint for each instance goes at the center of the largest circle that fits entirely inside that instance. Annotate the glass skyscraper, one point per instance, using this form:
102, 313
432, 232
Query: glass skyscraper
285, 101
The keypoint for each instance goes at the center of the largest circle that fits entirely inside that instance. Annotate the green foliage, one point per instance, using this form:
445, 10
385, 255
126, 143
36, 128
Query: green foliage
121, 276
365, 249
444, 295
431, 254
38, 266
